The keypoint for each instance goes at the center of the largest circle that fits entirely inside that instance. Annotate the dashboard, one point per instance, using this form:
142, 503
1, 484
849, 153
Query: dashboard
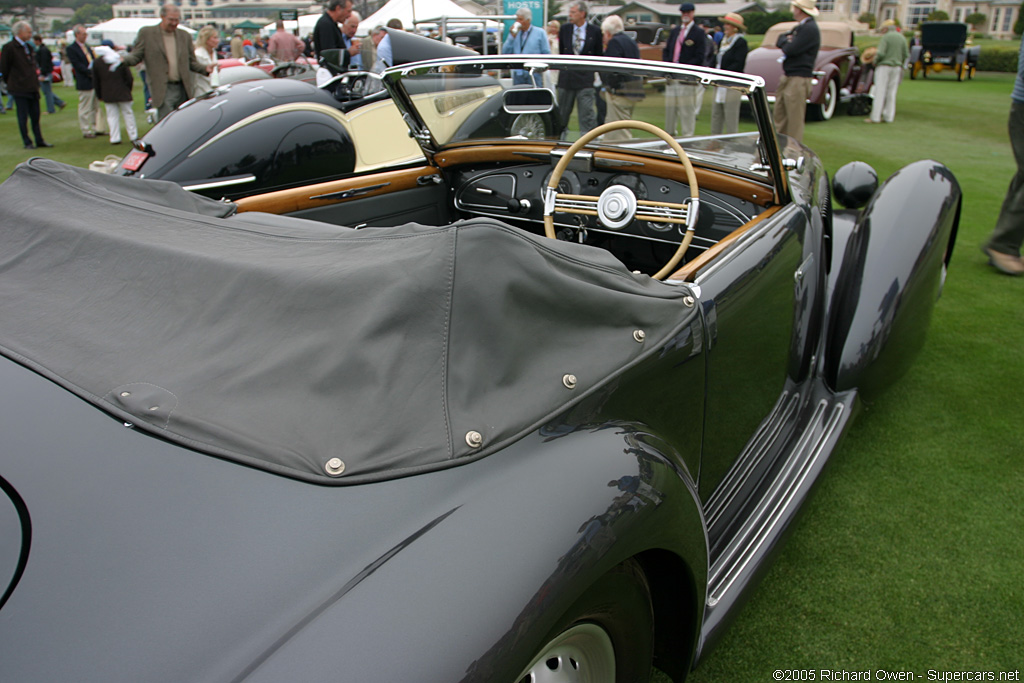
514, 194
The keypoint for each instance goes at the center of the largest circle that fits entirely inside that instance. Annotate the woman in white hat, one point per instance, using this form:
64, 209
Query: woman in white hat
732, 56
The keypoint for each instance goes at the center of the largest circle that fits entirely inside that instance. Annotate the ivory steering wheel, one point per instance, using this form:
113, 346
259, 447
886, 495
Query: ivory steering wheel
618, 206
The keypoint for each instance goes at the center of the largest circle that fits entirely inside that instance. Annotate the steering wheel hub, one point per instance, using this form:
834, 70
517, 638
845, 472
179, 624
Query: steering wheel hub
616, 206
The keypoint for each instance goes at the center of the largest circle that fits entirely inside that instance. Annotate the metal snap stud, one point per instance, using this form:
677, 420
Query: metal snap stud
569, 381
639, 336
689, 301
474, 439
126, 393
334, 467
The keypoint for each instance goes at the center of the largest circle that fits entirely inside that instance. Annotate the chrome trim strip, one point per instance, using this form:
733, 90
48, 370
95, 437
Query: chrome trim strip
784, 490
241, 180
757, 447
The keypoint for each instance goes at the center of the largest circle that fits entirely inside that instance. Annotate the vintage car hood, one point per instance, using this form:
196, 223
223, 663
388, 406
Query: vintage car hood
314, 351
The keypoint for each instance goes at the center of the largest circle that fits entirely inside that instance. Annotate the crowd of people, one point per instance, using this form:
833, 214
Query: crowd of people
173, 69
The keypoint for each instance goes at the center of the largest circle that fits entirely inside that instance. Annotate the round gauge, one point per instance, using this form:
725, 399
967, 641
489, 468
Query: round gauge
569, 184
631, 181
529, 126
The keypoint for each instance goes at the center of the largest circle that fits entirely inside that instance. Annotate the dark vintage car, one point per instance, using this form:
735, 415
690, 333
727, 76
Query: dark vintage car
944, 46
262, 135
526, 410
839, 75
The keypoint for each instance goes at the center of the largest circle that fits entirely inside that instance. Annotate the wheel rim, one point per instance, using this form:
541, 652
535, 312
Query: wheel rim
582, 654
530, 126
828, 107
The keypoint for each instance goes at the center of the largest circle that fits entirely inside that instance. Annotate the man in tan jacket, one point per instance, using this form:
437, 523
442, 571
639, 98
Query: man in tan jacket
170, 58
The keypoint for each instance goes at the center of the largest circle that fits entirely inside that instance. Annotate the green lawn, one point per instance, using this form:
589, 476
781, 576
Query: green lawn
61, 129
910, 555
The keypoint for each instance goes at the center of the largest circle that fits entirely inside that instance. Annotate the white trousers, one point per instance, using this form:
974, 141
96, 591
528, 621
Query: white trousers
682, 104
114, 121
887, 80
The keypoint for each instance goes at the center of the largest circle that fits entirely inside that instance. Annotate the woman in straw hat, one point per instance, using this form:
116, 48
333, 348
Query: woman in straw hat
732, 56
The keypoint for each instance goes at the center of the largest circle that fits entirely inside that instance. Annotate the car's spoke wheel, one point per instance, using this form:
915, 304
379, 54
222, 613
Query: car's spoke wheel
607, 636
530, 126
583, 654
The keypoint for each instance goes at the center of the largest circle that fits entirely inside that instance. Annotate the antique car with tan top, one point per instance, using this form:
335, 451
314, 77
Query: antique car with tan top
839, 76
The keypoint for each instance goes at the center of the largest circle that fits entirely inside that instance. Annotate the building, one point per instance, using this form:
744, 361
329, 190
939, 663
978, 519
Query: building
1000, 15
224, 13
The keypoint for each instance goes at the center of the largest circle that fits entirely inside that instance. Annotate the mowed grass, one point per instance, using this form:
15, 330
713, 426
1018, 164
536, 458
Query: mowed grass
909, 556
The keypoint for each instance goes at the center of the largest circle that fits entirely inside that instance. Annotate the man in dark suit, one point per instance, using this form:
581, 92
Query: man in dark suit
800, 45
578, 37
169, 75
621, 92
687, 44
18, 65
81, 55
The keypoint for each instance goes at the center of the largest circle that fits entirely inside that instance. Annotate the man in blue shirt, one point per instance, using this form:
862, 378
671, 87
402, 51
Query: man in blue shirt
353, 44
1003, 246
525, 39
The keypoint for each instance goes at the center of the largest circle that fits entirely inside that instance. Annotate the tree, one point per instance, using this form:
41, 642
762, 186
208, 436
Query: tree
937, 15
975, 20
759, 22
868, 18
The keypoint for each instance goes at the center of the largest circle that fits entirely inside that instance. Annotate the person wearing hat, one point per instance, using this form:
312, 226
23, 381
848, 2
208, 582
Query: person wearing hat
732, 56
687, 44
237, 46
800, 47
892, 54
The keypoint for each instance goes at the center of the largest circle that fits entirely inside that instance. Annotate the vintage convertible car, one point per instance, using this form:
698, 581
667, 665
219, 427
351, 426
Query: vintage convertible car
840, 77
944, 46
527, 410
279, 133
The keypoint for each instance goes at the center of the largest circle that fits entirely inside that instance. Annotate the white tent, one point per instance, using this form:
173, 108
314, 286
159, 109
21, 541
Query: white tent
305, 24
122, 31
410, 11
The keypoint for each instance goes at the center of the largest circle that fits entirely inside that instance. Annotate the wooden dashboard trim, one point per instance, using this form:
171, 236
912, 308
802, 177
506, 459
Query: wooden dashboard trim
690, 269
309, 196
753, 192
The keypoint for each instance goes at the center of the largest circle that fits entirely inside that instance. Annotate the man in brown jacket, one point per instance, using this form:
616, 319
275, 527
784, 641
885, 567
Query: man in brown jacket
18, 65
170, 58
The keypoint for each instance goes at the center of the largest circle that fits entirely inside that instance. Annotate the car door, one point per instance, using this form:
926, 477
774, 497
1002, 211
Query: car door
751, 298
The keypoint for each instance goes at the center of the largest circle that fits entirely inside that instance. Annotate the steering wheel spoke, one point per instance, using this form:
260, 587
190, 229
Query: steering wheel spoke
576, 203
618, 206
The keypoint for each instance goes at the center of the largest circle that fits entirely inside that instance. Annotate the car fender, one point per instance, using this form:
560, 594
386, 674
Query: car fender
827, 73
514, 552
889, 264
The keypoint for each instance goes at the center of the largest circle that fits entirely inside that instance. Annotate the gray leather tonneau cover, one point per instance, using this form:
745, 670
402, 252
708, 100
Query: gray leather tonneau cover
286, 346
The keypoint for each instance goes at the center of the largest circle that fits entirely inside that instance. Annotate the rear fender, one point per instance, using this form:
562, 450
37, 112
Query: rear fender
540, 523
830, 73
891, 260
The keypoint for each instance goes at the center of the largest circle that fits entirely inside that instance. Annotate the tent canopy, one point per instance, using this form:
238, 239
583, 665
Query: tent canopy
410, 11
304, 23
248, 25
122, 31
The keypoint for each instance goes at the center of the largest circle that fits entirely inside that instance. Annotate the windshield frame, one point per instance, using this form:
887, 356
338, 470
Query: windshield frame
749, 85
